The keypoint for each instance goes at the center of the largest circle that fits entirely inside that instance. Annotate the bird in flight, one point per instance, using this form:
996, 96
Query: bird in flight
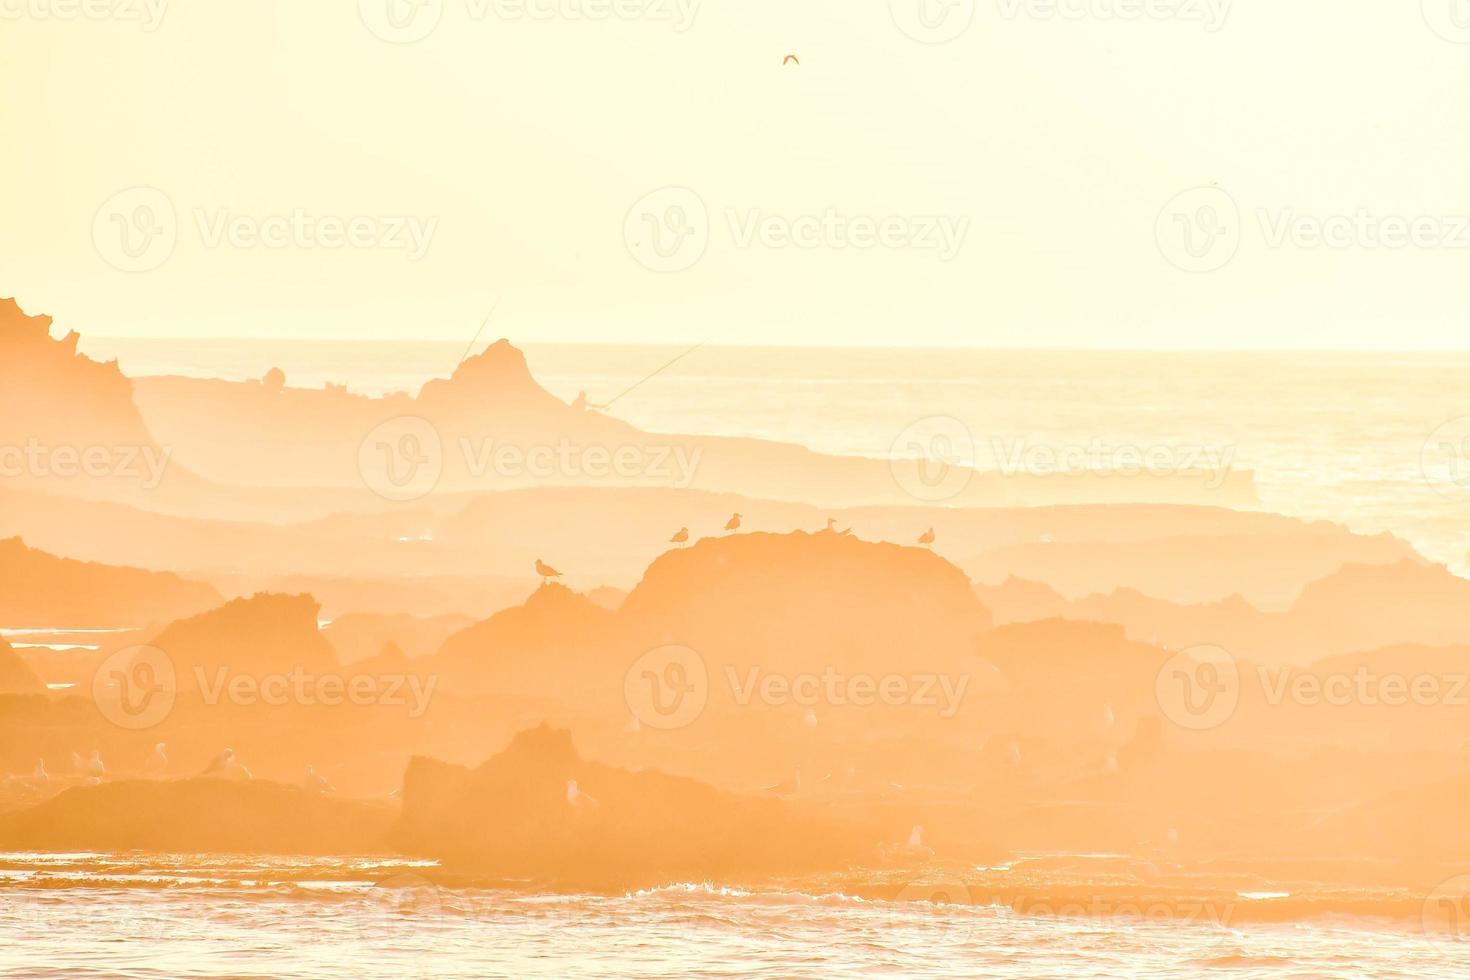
546, 572
790, 59
680, 537
927, 538
733, 524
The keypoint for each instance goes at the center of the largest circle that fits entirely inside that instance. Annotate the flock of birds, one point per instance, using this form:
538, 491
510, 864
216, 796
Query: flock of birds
681, 538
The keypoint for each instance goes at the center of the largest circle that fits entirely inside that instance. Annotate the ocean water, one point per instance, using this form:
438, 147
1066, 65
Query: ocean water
214, 916
1378, 442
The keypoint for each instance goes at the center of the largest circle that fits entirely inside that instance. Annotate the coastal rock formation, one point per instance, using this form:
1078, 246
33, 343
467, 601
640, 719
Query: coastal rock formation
264, 634
539, 810
198, 816
44, 590
15, 676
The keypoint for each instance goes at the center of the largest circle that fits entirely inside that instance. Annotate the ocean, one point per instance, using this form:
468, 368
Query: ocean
214, 916
1377, 442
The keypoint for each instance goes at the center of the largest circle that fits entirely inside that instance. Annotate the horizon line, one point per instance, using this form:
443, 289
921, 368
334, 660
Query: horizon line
675, 344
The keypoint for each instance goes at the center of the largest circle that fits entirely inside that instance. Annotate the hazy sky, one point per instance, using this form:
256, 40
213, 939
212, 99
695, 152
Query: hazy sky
298, 168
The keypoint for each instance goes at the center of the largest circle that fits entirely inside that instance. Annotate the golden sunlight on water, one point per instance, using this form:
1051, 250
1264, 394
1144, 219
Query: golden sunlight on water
206, 916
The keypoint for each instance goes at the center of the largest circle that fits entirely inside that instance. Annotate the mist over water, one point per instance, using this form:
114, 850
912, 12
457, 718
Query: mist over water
1328, 436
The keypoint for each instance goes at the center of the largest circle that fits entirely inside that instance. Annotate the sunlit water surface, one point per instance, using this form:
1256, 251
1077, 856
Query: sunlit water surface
85, 915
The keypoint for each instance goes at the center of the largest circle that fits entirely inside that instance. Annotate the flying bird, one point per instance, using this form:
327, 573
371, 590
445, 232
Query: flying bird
546, 572
680, 537
927, 538
790, 59
733, 524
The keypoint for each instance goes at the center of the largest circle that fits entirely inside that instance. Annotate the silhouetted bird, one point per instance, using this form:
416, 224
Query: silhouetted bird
927, 538
546, 572
790, 59
680, 537
733, 524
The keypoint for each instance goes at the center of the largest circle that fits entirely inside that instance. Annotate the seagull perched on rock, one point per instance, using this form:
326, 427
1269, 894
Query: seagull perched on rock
227, 766
157, 763
578, 799
317, 783
927, 538
733, 524
546, 572
680, 537
95, 767
40, 774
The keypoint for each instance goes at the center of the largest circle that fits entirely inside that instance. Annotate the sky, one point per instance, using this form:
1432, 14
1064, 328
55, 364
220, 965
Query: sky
1145, 174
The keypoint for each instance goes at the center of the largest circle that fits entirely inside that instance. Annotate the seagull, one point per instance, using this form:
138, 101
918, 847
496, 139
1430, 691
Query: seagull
40, 773
790, 59
227, 765
95, 767
78, 765
789, 788
579, 799
927, 538
680, 537
317, 783
733, 524
832, 527
157, 763
546, 572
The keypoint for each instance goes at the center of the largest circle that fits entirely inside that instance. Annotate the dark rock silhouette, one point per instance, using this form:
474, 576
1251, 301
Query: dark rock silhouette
538, 809
263, 634
198, 815
15, 676
44, 590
